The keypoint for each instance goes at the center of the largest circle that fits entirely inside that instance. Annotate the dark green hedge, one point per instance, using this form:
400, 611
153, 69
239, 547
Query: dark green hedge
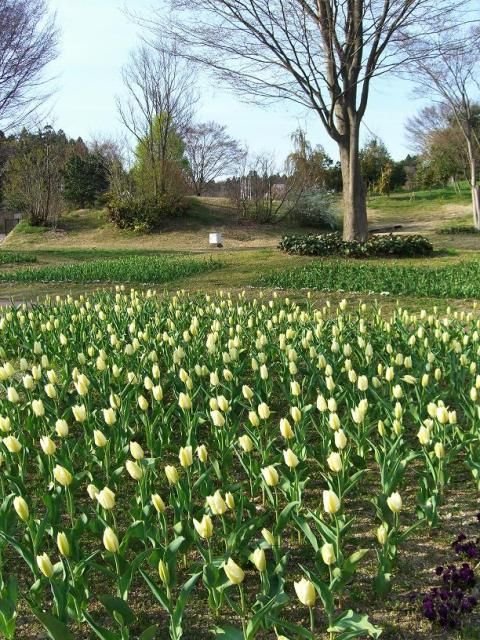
331, 244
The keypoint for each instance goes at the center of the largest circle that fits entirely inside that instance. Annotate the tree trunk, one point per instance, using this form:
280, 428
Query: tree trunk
475, 188
355, 224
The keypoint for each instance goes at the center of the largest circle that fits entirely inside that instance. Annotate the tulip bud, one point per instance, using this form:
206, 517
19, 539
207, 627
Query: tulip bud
290, 458
134, 470
263, 411
254, 419
164, 573
230, 500
99, 438
382, 534
158, 503
171, 474
62, 475
268, 537
270, 475
202, 453
12, 395
45, 565
331, 502
296, 414
63, 544
204, 528
79, 412
136, 451
21, 508
61, 428
257, 558
394, 502
48, 445
106, 498
334, 462
184, 401
92, 491
340, 439
286, 429
217, 418
109, 416
247, 392
38, 408
110, 540
439, 450
305, 592
245, 443
328, 554
12, 444
233, 572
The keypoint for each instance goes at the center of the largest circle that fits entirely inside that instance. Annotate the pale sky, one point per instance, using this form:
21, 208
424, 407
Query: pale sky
96, 40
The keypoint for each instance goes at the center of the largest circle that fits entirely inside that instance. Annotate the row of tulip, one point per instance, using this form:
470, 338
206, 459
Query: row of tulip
196, 445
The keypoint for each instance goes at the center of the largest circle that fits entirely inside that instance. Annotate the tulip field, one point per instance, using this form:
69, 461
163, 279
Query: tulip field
205, 466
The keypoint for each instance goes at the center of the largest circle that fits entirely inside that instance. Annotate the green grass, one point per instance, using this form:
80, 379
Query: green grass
15, 257
137, 269
461, 280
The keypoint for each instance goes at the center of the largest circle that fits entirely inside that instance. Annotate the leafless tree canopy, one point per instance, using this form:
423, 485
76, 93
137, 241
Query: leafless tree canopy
446, 67
321, 54
210, 152
28, 43
159, 84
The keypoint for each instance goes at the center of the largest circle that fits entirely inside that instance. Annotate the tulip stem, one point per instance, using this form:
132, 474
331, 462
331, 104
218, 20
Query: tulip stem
312, 619
242, 607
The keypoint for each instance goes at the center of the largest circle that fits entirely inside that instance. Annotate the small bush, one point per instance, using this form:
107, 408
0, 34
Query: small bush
316, 208
460, 230
331, 244
143, 214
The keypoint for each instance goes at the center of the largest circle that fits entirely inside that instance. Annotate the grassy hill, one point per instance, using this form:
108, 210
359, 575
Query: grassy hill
249, 249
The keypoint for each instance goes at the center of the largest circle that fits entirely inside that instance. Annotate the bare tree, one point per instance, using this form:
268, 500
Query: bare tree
446, 68
159, 103
321, 54
211, 153
28, 43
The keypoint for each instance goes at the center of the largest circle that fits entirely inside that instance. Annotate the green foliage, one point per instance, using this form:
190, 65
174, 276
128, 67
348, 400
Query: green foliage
460, 230
143, 214
377, 245
144, 269
15, 257
454, 281
85, 179
159, 165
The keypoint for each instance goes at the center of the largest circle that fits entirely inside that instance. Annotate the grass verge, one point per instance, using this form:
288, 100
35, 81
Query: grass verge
139, 269
15, 257
461, 280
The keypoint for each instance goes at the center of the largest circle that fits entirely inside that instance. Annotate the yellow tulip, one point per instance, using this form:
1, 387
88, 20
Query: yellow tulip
158, 503
106, 498
21, 508
45, 565
172, 474
331, 502
257, 558
394, 502
328, 554
63, 544
110, 540
233, 572
62, 475
305, 592
270, 475
136, 451
204, 528
134, 469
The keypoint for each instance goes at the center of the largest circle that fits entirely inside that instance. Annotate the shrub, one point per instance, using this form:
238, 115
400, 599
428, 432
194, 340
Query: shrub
460, 230
316, 207
329, 244
143, 214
